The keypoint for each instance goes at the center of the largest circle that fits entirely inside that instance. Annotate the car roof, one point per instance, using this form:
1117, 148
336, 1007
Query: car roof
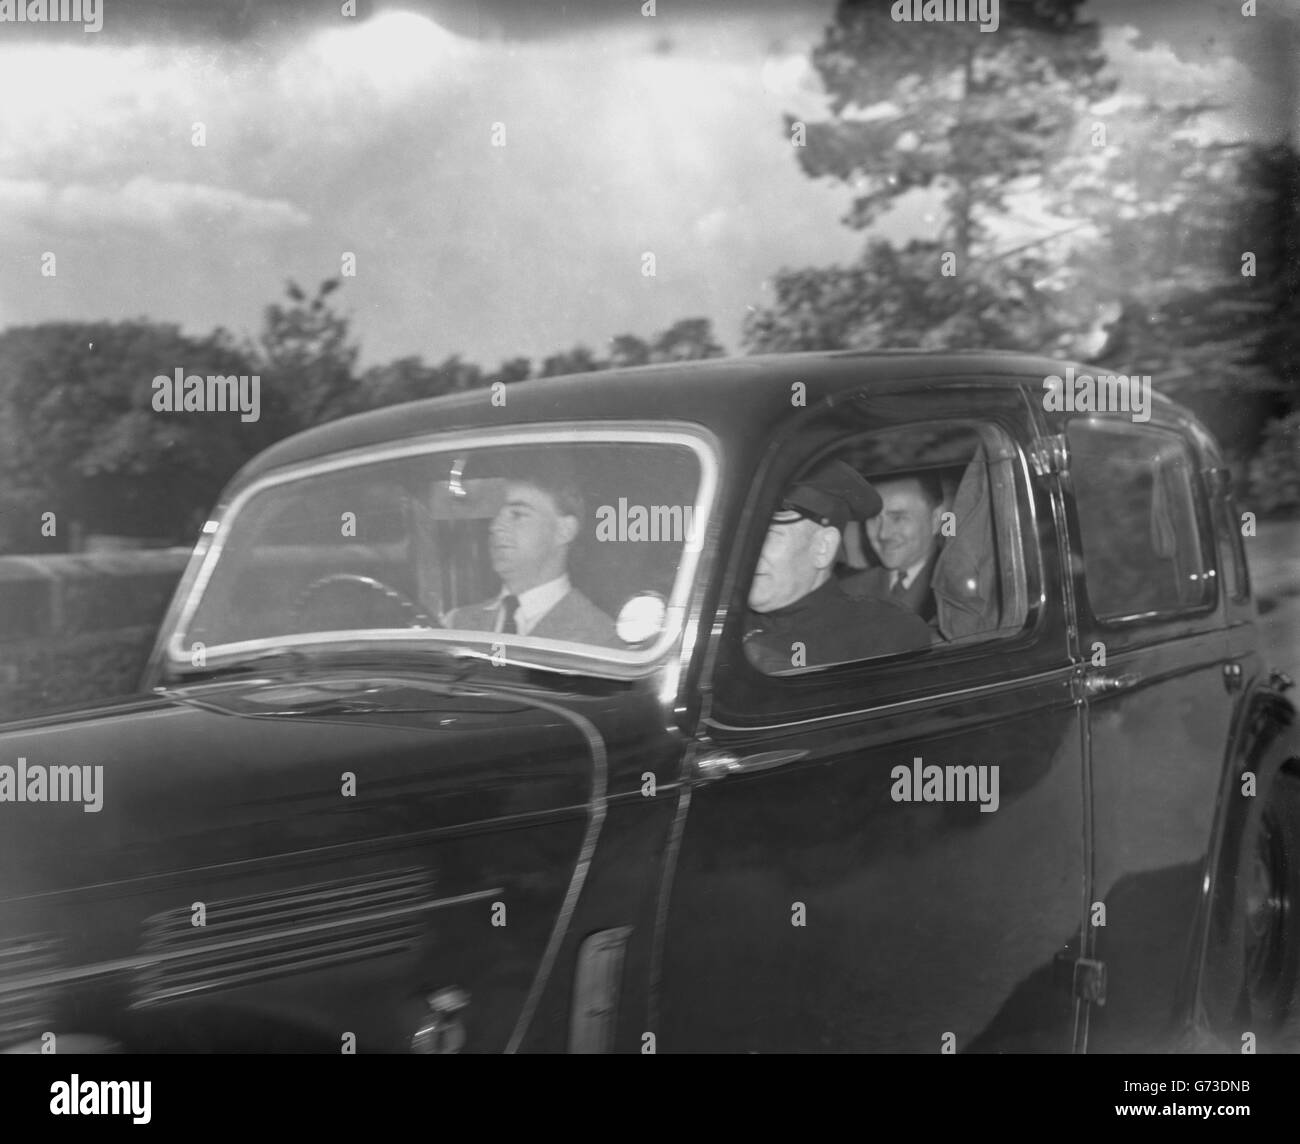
730, 396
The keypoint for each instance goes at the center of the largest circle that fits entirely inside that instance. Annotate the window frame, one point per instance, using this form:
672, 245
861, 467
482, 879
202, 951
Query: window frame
745, 697
171, 652
1201, 515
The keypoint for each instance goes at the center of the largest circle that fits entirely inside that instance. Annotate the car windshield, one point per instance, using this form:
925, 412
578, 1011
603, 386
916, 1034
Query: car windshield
536, 546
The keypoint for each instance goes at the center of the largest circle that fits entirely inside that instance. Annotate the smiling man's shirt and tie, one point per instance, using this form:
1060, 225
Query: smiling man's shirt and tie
905, 538
904, 578
529, 544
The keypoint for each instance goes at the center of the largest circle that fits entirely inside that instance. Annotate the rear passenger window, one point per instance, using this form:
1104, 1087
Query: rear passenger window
941, 563
1143, 552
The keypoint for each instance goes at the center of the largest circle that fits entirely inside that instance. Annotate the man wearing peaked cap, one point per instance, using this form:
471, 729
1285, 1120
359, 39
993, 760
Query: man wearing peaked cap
833, 495
799, 614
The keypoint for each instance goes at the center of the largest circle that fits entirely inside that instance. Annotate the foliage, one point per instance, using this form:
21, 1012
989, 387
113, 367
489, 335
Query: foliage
945, 106
74, 670
691, 339
946, 109
79, 436
410, 379
1143, 271
577, 360
1194, 257
307, 354
898, 298
627, 350
1275, 472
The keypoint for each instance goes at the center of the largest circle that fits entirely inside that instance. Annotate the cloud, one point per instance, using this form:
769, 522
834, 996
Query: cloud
327, 136
145, 203
393, 53
1209, 53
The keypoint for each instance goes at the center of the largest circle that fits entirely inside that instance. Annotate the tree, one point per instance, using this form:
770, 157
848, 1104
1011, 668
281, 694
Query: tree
1275, 472
406, 379
684, 340
944, 105
412, 379
509, 371
938, 107
577, 360
80, 436
894, 297
1193, 258
687, 340
628, 350
1270, 225
306, 353
456, 376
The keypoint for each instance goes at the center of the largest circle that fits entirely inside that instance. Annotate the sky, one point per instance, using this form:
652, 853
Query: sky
325, 134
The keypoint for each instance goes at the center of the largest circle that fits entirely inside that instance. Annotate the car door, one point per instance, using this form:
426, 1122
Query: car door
1158, 690
812, 909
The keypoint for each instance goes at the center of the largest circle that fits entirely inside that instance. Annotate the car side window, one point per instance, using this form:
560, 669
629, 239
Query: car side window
1135, 496
934, 556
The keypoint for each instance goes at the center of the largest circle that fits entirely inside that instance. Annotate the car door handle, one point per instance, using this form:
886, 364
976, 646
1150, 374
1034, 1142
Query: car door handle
719, 764
1096, 684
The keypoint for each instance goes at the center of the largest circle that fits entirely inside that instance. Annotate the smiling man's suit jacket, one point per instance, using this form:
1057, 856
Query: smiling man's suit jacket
918, 597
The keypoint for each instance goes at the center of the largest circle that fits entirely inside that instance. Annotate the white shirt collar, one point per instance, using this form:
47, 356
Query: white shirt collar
534, 603
911, 572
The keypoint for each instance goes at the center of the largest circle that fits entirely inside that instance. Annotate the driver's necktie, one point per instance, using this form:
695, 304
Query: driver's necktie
899, 590
510, 605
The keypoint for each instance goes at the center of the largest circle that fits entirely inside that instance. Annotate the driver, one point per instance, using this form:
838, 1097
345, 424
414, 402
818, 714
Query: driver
529, 546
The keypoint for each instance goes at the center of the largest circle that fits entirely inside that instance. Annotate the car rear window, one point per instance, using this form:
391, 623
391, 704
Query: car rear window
1136, 500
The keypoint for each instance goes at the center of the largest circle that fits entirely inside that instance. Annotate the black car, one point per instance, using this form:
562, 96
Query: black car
453, 739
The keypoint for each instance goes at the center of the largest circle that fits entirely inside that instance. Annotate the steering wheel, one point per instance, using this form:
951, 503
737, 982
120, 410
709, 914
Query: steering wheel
413, 615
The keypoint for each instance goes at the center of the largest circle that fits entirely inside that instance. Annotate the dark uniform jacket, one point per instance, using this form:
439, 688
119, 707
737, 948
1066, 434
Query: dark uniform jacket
833, 627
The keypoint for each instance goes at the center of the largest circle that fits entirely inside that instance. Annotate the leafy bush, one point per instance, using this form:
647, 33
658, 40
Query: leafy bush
1275, 471
50, 673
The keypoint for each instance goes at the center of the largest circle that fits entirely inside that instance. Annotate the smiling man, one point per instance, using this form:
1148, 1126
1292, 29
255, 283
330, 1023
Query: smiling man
905, 537
800, 615
529, 545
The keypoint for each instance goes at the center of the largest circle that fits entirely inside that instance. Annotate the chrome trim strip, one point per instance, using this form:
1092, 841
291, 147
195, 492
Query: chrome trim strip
366, 947
1088, 937
596, 810
143, 961
1162, 616
663, 901
1065, 672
